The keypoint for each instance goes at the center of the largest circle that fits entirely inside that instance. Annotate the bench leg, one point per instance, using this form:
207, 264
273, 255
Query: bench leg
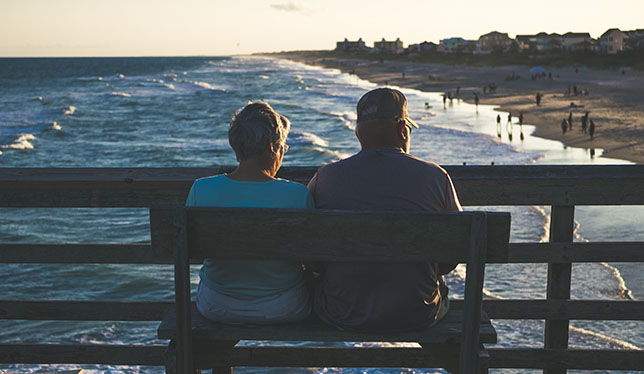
171, 358
209, 352
483, 365
446, 354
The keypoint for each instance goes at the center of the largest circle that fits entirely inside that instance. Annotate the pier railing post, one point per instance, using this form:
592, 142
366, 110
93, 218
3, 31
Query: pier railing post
562, 221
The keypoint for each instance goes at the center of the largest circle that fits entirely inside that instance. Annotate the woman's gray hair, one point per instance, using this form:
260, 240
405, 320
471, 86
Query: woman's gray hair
255, 127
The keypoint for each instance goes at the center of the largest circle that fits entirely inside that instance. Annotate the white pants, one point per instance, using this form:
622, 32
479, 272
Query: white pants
292, 305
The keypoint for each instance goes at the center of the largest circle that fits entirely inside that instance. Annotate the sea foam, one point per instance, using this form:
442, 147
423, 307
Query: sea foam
306, 138
23, 142
124, 94
69, 110
348, 119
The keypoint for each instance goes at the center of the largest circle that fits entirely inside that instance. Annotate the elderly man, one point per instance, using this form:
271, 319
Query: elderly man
383, 297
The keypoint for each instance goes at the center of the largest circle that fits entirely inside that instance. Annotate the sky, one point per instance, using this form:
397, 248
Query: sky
43, 28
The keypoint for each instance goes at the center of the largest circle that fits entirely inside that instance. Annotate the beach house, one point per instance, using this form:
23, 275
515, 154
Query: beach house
635, 39
351, 46
575, 41
494, 41
385, 46
457, 44
526, 42
422, 48
612, 41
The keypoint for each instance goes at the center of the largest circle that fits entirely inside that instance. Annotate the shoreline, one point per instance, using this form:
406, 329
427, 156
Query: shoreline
615, 100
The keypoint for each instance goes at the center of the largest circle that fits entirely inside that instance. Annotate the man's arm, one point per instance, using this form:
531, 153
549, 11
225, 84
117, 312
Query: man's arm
451, 205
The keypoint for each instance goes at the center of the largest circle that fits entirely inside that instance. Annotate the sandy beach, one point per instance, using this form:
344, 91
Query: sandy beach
614, 99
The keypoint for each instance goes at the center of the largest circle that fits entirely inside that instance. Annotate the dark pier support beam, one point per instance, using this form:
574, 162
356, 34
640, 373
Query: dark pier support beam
562, 221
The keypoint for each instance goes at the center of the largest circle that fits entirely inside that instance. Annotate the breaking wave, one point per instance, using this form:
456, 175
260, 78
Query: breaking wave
69, 110
23, 142
123, 94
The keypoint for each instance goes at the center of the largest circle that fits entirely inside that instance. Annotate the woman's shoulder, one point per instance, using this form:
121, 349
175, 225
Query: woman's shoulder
209, 182
291, 185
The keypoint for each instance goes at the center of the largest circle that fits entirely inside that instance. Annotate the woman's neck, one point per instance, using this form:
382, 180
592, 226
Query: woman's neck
251, 171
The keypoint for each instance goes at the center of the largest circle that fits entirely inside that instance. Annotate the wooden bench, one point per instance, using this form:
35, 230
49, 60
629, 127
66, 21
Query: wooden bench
327, 235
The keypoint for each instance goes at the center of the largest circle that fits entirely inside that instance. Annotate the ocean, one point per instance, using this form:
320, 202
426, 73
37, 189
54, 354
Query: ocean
174, 112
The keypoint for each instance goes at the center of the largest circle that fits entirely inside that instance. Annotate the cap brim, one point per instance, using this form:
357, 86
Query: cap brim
410, 122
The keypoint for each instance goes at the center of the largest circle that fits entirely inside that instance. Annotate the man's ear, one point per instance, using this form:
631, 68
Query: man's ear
401, 130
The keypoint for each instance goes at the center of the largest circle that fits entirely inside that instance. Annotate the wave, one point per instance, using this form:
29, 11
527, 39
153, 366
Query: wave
169, 85
69, 111
608, 339
262, 76
348, 119
307, 138
624, 292
205, 85
123, 94
23, 142
55, 126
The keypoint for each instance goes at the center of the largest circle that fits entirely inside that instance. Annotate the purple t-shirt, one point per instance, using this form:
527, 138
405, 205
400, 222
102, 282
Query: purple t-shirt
382, 297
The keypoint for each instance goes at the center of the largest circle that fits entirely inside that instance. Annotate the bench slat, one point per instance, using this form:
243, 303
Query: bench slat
319, 235
73, 310
312, 329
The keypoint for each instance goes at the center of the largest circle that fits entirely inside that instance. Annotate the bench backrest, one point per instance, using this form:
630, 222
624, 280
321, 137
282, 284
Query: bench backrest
326, 235
330, 235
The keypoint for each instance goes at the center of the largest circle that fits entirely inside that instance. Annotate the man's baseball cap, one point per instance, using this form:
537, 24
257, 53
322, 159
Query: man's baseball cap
384, 103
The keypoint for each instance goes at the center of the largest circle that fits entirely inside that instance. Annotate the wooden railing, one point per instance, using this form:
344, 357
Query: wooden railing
562, 187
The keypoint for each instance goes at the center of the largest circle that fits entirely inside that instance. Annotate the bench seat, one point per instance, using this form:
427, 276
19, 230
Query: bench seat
448, 330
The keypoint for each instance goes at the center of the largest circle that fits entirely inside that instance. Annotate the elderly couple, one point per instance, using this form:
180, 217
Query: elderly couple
382, 176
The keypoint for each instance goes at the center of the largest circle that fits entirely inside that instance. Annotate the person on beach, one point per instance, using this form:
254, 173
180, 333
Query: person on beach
564, 126
570, 121
245, 291
476, 100
383, 176
521, 118
584, 122
498, 125
508, 126
591, 129
538, 98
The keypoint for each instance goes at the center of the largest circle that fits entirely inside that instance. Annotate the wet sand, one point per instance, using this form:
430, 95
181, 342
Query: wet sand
615, 100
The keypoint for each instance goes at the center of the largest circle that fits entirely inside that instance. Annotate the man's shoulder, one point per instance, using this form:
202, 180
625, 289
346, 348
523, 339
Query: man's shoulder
423, 165
337, 165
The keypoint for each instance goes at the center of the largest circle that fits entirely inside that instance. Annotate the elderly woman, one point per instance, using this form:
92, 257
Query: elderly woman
244, 291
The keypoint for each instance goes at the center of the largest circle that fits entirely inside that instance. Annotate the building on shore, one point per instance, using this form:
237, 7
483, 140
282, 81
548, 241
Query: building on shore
612, 41
351, 46
422, 48
526, 42
457, 44
635, 39
576, 41
494, 42
385, 46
